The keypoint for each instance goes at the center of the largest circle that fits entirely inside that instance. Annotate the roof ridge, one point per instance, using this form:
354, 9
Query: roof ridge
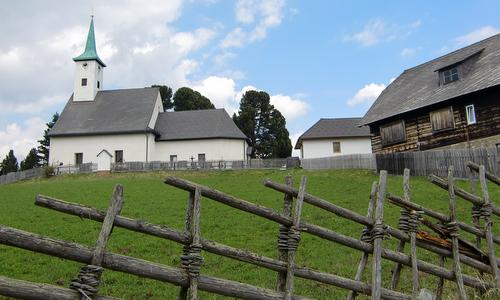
453, 52
129, 89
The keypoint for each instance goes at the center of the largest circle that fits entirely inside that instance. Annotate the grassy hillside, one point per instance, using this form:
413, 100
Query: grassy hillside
148, 198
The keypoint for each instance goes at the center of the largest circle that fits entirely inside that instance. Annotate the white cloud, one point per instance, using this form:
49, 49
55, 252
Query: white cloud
377, 30
408, 52
223, 94
189, 41
21, 138
477, 35
366, 95
372, 33
220, 90
289, 107
269, 14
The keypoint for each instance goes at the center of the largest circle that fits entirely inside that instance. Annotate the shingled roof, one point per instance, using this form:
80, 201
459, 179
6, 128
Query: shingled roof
419, 87
196, 124
111, 112
334, 128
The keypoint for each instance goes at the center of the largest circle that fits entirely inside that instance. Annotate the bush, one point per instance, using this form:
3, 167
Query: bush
48, 171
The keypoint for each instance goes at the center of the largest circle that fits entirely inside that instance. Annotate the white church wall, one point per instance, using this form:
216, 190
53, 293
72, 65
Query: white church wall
63, 149
93, 72
324, 147
214, 149
157, 109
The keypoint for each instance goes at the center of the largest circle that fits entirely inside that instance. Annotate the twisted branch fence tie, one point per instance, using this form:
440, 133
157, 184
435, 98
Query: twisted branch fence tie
192, 260
88, 280
452, 228
410, 220
283, 238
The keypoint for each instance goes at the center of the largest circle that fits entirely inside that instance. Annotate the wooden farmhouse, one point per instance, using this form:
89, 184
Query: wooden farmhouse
451, 101
105, 126
331, 137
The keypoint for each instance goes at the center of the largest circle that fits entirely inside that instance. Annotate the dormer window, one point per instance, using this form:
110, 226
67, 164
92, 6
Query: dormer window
450, 75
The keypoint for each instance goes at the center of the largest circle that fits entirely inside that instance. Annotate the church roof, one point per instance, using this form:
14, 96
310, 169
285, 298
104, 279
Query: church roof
90, 52
196, 124
111, 112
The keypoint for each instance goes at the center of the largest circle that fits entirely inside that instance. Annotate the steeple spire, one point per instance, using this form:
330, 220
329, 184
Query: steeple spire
90, 52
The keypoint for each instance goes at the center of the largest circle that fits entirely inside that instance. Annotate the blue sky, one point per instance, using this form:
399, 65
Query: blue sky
317, 59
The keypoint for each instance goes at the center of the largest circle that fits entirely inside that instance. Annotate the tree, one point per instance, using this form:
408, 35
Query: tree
9, 163
31, 161
264, 125
166, 96
188, 99
43, 148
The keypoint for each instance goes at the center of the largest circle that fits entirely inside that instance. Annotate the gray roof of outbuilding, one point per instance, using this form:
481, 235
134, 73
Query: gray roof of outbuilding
334, 128
111, 112
419, 87
196, 124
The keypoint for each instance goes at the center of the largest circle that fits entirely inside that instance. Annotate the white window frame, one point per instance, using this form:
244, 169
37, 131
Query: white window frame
468, 109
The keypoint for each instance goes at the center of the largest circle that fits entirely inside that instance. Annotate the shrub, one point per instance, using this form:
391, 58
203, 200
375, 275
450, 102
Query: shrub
48, 171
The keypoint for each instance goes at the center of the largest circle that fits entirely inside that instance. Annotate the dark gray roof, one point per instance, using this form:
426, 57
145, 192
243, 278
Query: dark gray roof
196, 124
419, 86
334, 128
114, 111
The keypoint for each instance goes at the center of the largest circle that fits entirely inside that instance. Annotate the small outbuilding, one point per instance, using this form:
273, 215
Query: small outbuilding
331, 137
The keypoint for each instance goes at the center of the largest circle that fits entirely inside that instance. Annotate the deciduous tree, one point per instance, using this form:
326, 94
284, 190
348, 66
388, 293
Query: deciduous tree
166, 96
189, 99
264, 125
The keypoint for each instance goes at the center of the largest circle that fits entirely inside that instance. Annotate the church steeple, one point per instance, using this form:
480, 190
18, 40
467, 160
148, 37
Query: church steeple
88, 70
90, 52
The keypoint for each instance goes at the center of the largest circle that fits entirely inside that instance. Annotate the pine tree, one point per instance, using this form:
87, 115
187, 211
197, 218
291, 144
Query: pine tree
9, 163
264, 125
31, 161
43, 148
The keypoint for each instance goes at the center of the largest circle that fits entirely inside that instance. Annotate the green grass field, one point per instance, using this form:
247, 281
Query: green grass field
148, 198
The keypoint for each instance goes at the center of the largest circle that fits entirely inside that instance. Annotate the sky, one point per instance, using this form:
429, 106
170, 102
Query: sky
316, 59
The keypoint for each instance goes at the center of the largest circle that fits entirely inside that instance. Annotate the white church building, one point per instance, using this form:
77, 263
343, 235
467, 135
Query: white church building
103, 126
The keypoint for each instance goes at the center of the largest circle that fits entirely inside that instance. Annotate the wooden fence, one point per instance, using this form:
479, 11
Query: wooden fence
21, 175
350, 161
271, 163
423, 163
445, 243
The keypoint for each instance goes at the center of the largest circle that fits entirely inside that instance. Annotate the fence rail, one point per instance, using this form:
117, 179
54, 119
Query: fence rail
446, 243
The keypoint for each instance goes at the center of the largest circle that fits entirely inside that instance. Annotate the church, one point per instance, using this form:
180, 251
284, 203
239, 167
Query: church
105, 126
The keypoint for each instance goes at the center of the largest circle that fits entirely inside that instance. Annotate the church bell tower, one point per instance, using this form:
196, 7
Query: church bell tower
88, 70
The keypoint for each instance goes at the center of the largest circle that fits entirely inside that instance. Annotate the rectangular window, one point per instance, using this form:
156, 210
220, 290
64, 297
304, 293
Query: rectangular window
450, 75
336, 147
471, 114
78, 158
98, 84
442, 119
118, 156
393, 133
84, 81
201, 157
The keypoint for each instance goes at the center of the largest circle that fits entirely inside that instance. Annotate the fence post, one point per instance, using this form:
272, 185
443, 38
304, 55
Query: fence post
486, 214
453, 232
294, 238
378, 234
88, 280
283, 236
365, 237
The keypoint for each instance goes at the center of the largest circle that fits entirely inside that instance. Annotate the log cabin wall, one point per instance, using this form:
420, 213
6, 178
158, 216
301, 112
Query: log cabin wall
418, 129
